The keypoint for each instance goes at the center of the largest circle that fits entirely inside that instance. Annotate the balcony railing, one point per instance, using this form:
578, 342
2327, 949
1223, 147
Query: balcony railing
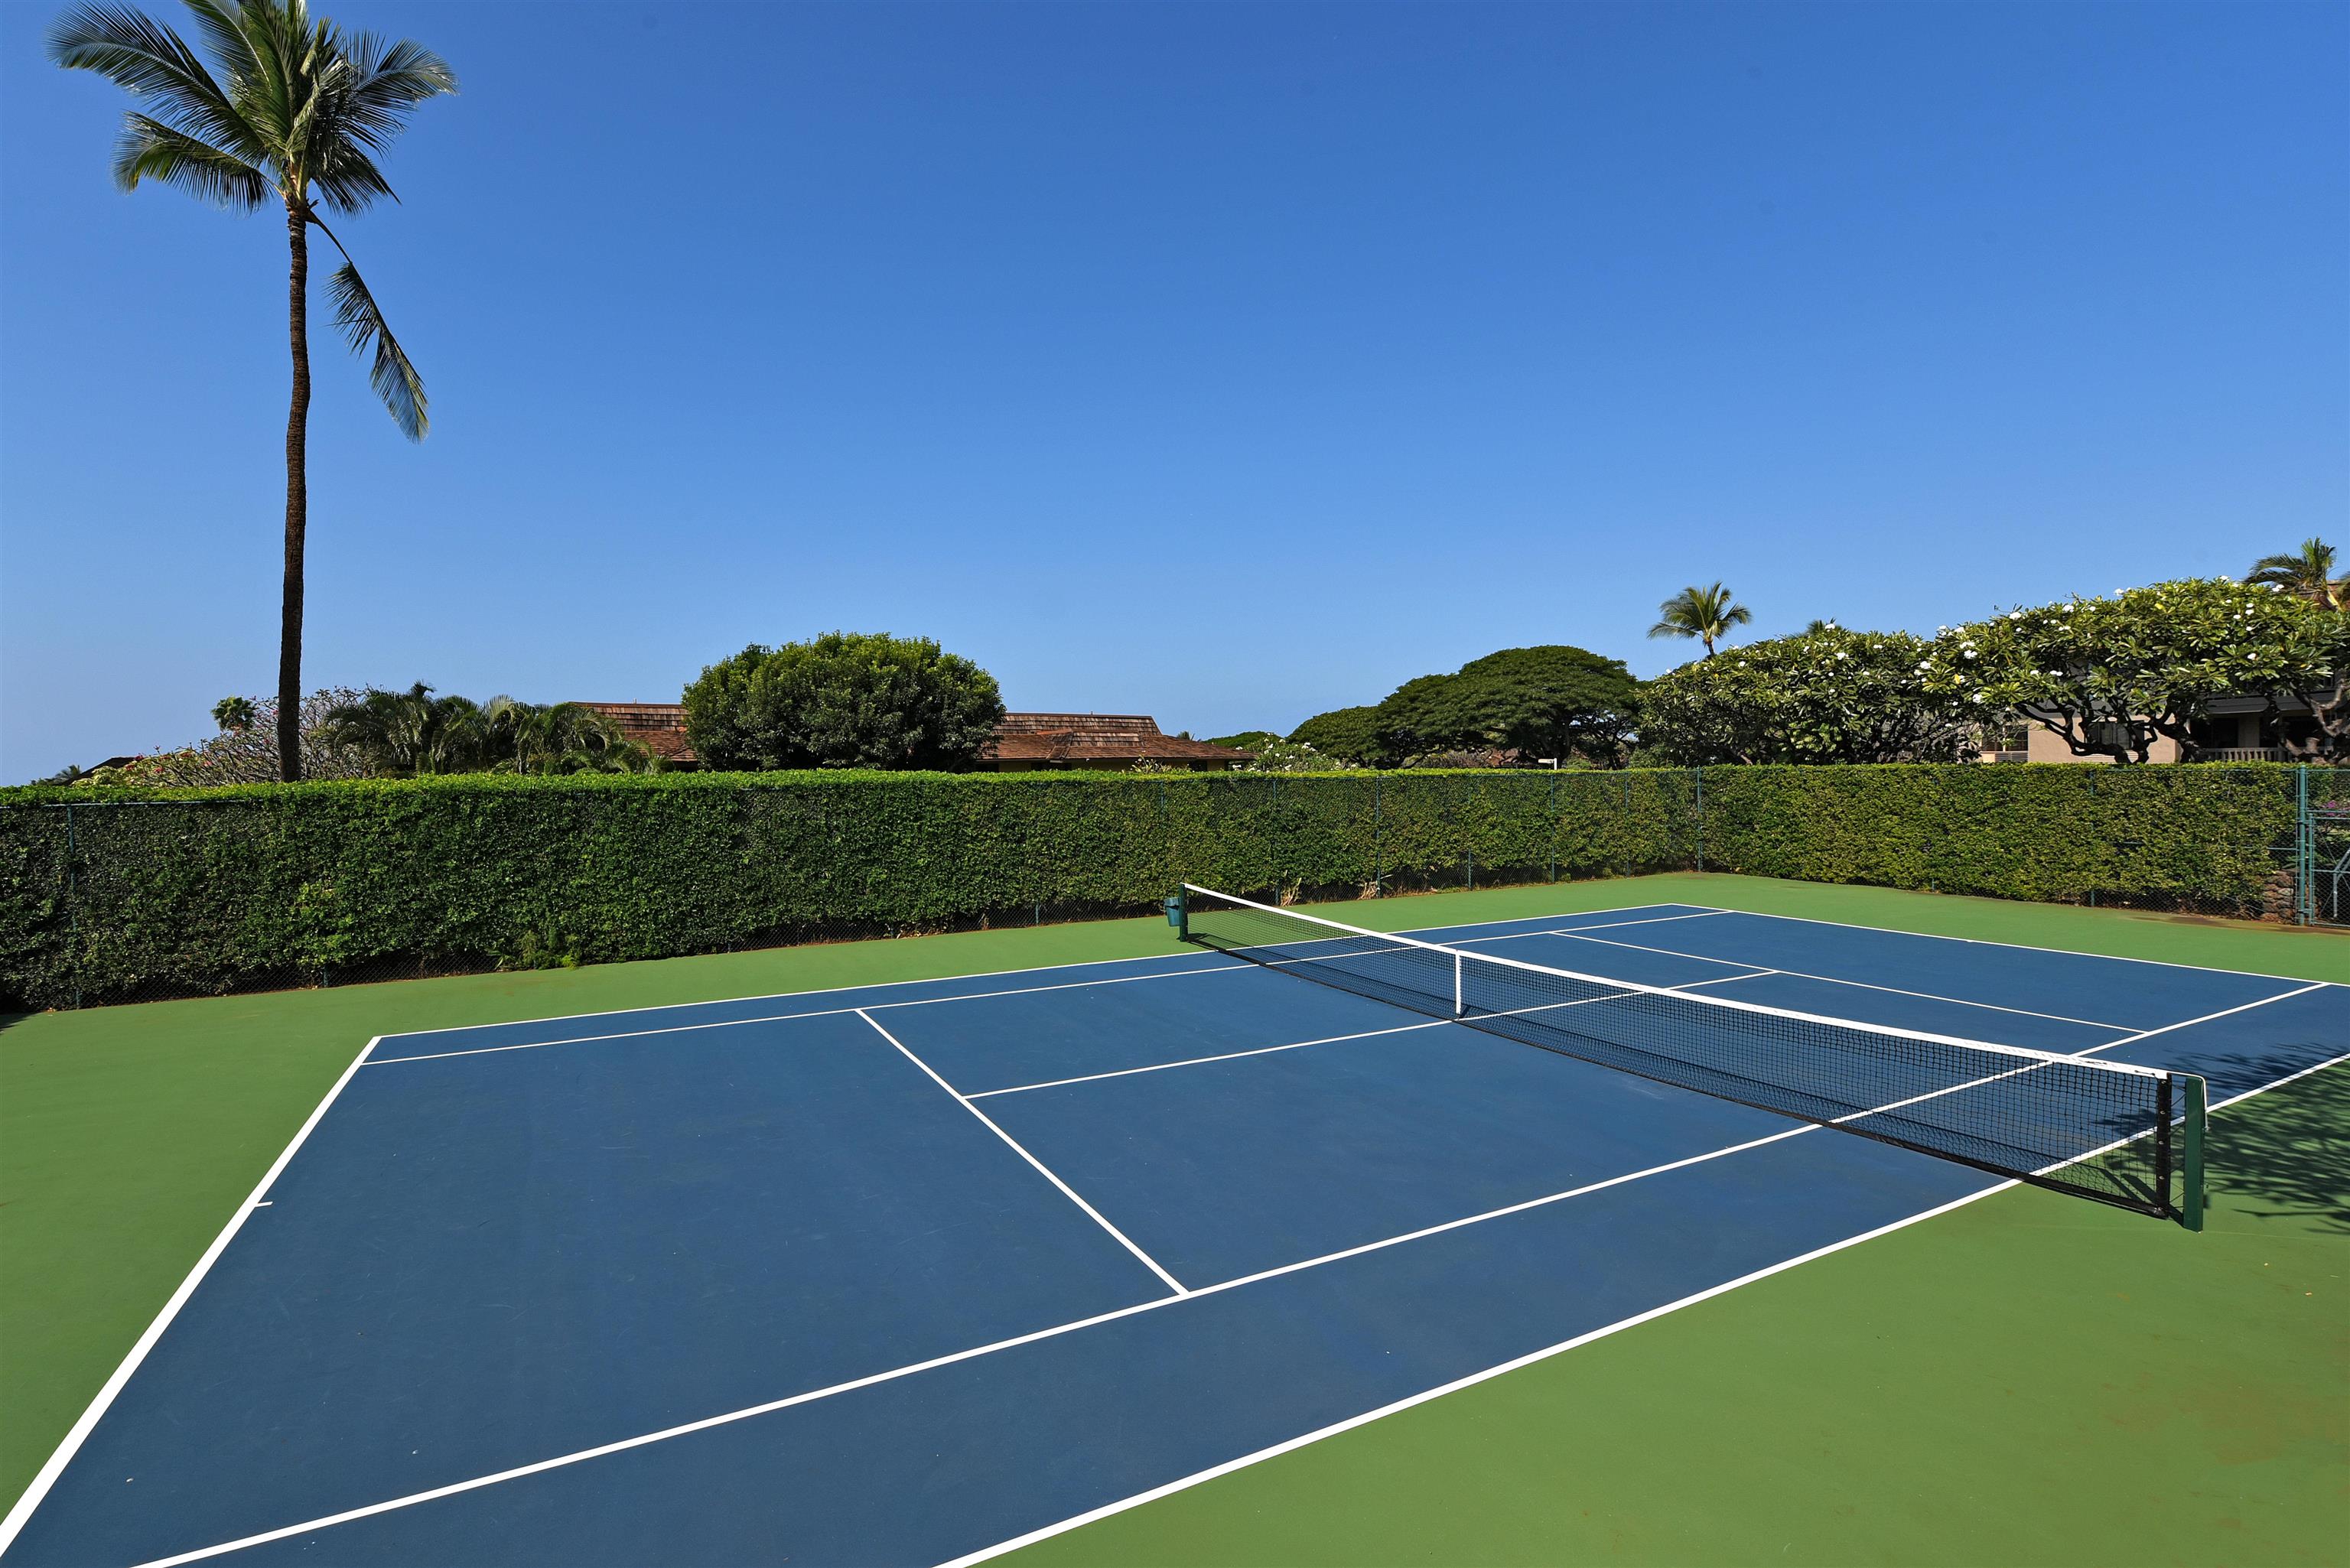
2239, 755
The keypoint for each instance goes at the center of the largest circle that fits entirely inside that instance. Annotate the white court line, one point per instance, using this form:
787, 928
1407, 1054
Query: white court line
729, 1416
1340, 1038
1834, 980
1042, 1168
1561, 931
811, 1396
951, 978
2020, 947
47, 1477
1368, 1416
1240, 968
2189, 1023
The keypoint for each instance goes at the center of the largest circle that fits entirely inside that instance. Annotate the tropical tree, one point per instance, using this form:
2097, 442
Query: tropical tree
557, 738
2112, 675
2308, 572
246, 749
413, 733
1556, 700
1824, 696
1706, 614
297, 112
845, 699
1347, 735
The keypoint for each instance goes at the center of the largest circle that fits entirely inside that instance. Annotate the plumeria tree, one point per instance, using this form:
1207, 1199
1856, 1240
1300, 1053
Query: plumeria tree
1826, 696
246, 750
2111, 675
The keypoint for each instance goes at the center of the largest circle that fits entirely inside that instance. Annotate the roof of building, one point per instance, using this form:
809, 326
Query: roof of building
658, 727
1079, 739
1069, 739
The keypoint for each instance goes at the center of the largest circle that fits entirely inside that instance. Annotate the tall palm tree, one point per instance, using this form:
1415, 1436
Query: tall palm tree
1702, 613
297, 111
2308, 571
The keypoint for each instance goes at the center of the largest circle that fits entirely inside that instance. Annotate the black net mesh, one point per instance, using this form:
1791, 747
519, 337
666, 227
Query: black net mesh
2097, 1129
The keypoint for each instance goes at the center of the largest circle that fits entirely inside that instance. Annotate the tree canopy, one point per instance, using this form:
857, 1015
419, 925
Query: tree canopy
1825, 696
844, 699
1554, 700
2111, 674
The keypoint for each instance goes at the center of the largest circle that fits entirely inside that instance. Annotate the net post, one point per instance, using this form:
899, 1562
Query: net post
2190, 1162
1179, 915
1458, 1005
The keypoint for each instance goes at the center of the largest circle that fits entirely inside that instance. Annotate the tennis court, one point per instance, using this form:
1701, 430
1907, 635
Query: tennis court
908, 1272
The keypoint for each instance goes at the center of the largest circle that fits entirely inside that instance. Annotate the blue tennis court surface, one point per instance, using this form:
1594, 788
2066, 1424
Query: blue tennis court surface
904, 1273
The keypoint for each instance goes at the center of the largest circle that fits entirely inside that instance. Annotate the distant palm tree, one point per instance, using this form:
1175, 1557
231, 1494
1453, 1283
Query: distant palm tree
1702, 613
557, 738
411, 733
297, 112
2308, 571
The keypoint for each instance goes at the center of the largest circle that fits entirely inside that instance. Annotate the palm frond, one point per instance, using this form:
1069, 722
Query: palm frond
388, 80
347, 180
392, 375
151, 61
225, 33
149, 150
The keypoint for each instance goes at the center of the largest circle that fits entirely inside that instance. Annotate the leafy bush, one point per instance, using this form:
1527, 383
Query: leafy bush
845, 699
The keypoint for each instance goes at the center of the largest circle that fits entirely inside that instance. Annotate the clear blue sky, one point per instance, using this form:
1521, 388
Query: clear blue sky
1221, 362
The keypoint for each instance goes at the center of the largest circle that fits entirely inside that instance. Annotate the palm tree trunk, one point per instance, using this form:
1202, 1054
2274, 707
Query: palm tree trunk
297, 499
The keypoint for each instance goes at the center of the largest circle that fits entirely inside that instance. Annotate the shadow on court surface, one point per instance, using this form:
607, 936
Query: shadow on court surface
2290, 1152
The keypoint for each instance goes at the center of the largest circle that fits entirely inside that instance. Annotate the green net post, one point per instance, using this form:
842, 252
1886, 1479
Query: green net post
2190, 1155
1179, 915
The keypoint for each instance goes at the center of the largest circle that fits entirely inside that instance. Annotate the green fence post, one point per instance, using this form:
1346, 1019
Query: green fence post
1699, 775
1378, 842
1554, 825
2304, 852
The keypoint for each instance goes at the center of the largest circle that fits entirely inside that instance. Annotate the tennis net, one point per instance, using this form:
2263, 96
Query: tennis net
2113, 1131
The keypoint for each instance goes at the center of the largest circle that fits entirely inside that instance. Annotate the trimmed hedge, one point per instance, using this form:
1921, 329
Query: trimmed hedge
2211, 838
177, 892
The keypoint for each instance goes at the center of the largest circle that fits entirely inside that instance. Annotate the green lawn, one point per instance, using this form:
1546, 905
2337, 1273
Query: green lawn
2029, 1379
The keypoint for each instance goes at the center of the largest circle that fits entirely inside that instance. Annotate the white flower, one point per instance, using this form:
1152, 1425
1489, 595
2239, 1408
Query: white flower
1976, 698
1970, 653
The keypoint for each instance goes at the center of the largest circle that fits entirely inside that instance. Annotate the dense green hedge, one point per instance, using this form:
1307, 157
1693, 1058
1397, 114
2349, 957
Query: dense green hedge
133, 895
2203, 837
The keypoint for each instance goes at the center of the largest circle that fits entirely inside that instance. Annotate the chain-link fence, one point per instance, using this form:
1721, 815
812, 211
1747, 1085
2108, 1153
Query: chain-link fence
122, 900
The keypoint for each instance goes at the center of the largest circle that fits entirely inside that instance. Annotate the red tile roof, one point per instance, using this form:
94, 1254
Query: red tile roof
659, 727
1098, 740
1022, 740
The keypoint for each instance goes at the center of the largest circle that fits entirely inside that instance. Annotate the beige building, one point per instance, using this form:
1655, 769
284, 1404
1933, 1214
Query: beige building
2239, 730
